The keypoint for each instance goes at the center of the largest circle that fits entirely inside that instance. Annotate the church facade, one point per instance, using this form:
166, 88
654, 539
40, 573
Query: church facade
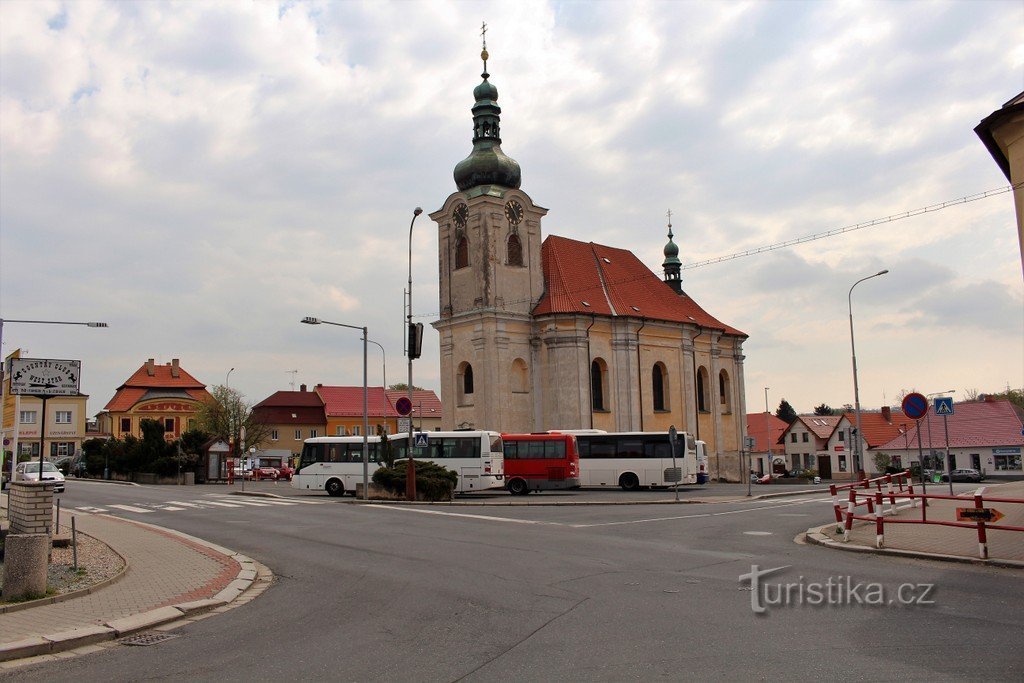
552, 333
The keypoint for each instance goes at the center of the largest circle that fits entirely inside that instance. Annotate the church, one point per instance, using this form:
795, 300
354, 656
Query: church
553, 333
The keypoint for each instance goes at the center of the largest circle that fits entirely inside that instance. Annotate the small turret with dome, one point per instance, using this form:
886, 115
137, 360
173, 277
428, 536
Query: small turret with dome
487, 164
672, 264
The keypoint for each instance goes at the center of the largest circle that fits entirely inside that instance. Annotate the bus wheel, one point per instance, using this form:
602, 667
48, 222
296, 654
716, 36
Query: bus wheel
629, 482
335, 488
517, 487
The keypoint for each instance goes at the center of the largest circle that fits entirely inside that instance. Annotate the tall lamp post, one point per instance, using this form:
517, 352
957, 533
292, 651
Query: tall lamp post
767, 432
3, 386
384, 379
308, 320
410, 472
856, 390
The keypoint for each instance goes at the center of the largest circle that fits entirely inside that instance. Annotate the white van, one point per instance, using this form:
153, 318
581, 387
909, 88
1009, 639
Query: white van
29, 471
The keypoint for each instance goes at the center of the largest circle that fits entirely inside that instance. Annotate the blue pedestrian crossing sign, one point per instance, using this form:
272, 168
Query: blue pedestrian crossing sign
944, 406
421, 440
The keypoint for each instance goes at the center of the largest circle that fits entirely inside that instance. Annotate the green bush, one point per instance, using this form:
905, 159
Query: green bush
433, 482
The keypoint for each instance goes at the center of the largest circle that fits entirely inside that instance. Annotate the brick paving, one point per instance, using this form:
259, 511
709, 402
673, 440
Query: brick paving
163, 569
943, 540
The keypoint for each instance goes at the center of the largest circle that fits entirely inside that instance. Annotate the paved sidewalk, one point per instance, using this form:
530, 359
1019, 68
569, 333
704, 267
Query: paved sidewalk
940, 542
169, 575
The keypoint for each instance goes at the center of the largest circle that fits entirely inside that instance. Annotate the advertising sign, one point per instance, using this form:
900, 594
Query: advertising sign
45, 377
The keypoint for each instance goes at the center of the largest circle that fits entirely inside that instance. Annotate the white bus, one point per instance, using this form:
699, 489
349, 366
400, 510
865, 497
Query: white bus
334, 464
635, 459
477, 456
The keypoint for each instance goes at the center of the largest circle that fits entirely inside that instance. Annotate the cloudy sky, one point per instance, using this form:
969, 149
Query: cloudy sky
201, 175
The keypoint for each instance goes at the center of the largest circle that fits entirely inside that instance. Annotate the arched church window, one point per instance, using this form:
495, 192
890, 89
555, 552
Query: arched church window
464, 384
520, 377
703, 402
659, 386
515, 250
598, 384
461, 252
723, 391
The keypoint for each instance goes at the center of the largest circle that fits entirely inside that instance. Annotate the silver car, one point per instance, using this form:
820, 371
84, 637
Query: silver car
29, 471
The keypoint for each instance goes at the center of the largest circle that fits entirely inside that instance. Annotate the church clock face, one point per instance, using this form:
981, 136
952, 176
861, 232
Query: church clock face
514, 212
461, 215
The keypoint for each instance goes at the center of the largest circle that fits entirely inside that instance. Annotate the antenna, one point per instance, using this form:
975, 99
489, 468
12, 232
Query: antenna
292, 373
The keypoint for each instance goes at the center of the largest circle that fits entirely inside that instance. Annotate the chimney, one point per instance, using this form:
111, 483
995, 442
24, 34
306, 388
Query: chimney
302, 387
149, 367
887, 414
989, 398
175, 370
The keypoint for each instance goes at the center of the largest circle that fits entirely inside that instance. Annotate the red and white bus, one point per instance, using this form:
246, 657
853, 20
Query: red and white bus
535, 462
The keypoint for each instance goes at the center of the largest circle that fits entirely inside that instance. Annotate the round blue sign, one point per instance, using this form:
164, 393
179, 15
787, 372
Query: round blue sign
403, 405
915, 406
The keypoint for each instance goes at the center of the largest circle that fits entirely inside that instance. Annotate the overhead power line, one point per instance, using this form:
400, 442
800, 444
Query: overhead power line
857, 226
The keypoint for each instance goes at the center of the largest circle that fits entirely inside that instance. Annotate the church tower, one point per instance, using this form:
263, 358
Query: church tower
672, 264
491, 277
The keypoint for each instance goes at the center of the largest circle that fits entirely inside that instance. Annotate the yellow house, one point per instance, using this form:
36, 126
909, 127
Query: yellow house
165, 393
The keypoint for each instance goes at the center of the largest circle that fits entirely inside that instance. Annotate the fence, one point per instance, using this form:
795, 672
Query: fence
982, 521
901, 481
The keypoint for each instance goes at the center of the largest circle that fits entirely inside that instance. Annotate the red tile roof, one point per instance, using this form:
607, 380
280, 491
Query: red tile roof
141, 382
979, 424
424, 398
348, 401
756, 428
293, 399
301, 415
589, 278
879, 428
821, 425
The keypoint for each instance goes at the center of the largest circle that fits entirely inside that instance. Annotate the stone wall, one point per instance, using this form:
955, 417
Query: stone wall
31, 507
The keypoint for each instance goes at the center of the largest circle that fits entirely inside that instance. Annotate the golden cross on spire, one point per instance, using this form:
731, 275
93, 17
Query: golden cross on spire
669, 214
483, 52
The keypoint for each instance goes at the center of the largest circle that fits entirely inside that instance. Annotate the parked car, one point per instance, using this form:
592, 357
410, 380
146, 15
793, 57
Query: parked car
285, 472
258, 473
964, 474
29, 471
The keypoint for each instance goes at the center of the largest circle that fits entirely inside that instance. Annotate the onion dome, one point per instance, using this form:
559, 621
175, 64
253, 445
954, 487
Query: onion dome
487, 164
672, 264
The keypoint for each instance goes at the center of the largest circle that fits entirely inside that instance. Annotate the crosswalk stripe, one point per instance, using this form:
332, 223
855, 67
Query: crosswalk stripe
178, 502
130, 508
168, 507
275, 502
224, 505
248, 502
87, 509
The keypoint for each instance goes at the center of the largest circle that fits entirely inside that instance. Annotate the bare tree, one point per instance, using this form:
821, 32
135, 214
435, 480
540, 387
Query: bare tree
226, 414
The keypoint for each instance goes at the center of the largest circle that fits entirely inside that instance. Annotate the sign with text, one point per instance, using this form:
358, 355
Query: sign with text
45, 377
978, 515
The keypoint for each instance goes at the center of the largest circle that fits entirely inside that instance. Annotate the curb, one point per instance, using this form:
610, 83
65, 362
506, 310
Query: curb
102, 481
249, 573
817, 536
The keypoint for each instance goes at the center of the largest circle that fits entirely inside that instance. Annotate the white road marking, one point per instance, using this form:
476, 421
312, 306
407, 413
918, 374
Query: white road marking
188, 505
247, 502
129, 508
223, 505
704, 514
757, 533
167, 507
461, 514
88, 509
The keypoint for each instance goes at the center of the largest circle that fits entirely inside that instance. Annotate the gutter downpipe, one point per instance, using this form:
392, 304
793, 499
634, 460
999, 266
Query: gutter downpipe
640, 374
590, 362
696, 390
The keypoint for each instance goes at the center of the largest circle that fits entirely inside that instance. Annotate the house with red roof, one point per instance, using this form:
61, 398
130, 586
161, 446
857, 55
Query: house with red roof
290, 418
767, 431
983, 435
556, 333
166, 393
343, 409
806, 441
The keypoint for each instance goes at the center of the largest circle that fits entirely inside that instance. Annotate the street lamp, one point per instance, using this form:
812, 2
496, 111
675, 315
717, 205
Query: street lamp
384, 375
366, 418
227, 378
767, 432
3, 390
856, 389
410, 471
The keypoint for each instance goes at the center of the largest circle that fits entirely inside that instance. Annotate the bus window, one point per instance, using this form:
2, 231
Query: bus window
630, 448
497, 445
657, 449
511, 447
554, 450
602, 449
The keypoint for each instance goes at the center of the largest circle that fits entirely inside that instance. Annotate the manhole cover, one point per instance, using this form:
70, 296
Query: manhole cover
147, 638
